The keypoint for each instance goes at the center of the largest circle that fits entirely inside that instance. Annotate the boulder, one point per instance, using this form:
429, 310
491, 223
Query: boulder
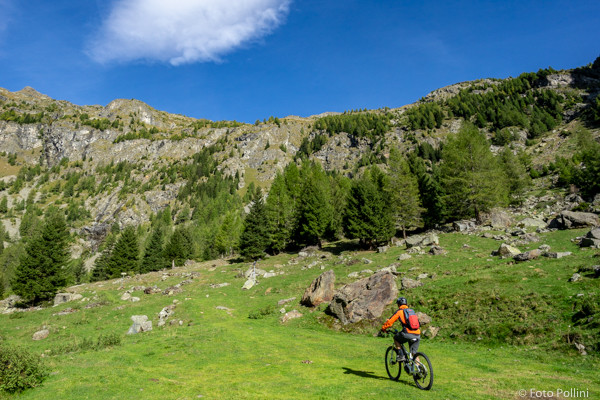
544, 248
424, 319
320, 290
557, 254
249, 284
254, 273
391, 268
591, 239
165, 313
464, 225
41, 335
61, 298
383, 249
290, 315
506, 250
403, 257
529, 238
532, 223
574, 220
528, 255
152, 290
364, 299
285, 301
408, 283
576, 277
140, 324
428, 239
499, 219
9, 302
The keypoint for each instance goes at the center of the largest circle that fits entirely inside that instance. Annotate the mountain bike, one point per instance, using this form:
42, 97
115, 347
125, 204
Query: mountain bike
418, 366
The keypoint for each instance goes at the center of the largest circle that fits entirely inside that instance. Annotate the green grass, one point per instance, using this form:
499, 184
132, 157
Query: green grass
220, 354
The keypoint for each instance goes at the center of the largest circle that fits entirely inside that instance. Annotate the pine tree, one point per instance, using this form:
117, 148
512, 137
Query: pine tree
180, 247
278, 211
154, 255
472, 178
516, 175
368, 216
255, 234
227, 237
41, 271
314, 205
404, 194
101, 265
3, 237
125, 255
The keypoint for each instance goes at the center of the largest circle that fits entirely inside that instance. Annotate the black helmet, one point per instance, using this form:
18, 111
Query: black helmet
401, 301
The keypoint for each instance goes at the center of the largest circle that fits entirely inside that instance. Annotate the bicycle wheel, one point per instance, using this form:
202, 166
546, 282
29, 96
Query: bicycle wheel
392, 367
423, 374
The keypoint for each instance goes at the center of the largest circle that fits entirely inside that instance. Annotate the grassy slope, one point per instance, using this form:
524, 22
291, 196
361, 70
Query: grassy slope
218, 354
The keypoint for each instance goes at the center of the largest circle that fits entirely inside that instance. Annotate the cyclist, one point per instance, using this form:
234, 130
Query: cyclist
406, 334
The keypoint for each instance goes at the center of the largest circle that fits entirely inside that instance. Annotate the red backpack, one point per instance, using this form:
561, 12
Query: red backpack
412, 321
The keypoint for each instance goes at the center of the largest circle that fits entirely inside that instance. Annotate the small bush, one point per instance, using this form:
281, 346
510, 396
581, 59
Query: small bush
262, 313
19, 369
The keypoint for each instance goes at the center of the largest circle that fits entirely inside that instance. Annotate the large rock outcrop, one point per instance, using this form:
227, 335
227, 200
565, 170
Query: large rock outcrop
320, 290
364, 299
574, 220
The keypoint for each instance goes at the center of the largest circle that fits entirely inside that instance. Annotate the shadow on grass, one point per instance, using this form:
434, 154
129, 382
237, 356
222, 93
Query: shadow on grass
368, 374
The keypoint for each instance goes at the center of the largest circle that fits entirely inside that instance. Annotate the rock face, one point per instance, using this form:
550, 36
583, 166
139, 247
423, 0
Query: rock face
61, 298
320, 290
364, 299
140, 324
574, 220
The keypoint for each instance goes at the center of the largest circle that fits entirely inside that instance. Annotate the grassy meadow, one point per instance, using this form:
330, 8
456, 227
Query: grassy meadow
505, 327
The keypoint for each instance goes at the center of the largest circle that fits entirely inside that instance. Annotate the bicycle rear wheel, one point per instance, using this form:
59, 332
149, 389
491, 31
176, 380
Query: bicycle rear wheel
393, 368
423, 374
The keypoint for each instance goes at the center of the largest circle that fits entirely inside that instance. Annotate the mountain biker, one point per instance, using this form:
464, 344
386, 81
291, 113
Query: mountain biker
406, 334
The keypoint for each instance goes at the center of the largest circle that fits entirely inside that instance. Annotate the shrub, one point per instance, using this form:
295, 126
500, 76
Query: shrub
19, 369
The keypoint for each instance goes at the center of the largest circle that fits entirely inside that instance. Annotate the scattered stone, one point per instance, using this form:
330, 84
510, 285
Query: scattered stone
226, 309
354, 275
61, 298
306, 362
424, 319
165, 313
414, 250
432, 332
134, 299
529, 238
218, 285
532, 223
422, 276
253, 273
544, 248
383, 249
269, 275
364, 299
506, 250
591, 239
390, 268
282, 310
404, 257
140, 324
428, 239
291, 315
285, 301
518, 232
66, 311
41, 335
464, 225
249, 284
581, 348
320, 290
408, 283
437, 251
528, 255
152, 290
557, 254
170, 291
126, 296
576, 277
367, 261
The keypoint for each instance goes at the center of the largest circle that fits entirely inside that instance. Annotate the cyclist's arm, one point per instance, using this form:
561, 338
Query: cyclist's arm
388, 324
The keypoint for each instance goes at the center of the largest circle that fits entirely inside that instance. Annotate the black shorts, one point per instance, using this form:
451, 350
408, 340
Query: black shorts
411, 338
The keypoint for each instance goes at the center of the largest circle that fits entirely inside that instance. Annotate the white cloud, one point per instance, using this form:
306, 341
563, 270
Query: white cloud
183, 31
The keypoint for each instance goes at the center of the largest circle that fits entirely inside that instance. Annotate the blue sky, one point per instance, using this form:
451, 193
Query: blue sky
250, 59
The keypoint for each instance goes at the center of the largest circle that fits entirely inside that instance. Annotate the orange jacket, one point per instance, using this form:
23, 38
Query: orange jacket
399, 314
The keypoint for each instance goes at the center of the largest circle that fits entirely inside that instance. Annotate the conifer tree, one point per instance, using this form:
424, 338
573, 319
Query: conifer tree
3, 237
404, 193
101, 265
227, 236
278, 210
154, 255
472, 178
517, 177
41, 272
125, 255
180, 247
255, 234
314, 205
368, 216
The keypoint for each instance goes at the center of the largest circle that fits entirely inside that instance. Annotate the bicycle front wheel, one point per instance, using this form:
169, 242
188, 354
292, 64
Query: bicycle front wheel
423, 373
393, 368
